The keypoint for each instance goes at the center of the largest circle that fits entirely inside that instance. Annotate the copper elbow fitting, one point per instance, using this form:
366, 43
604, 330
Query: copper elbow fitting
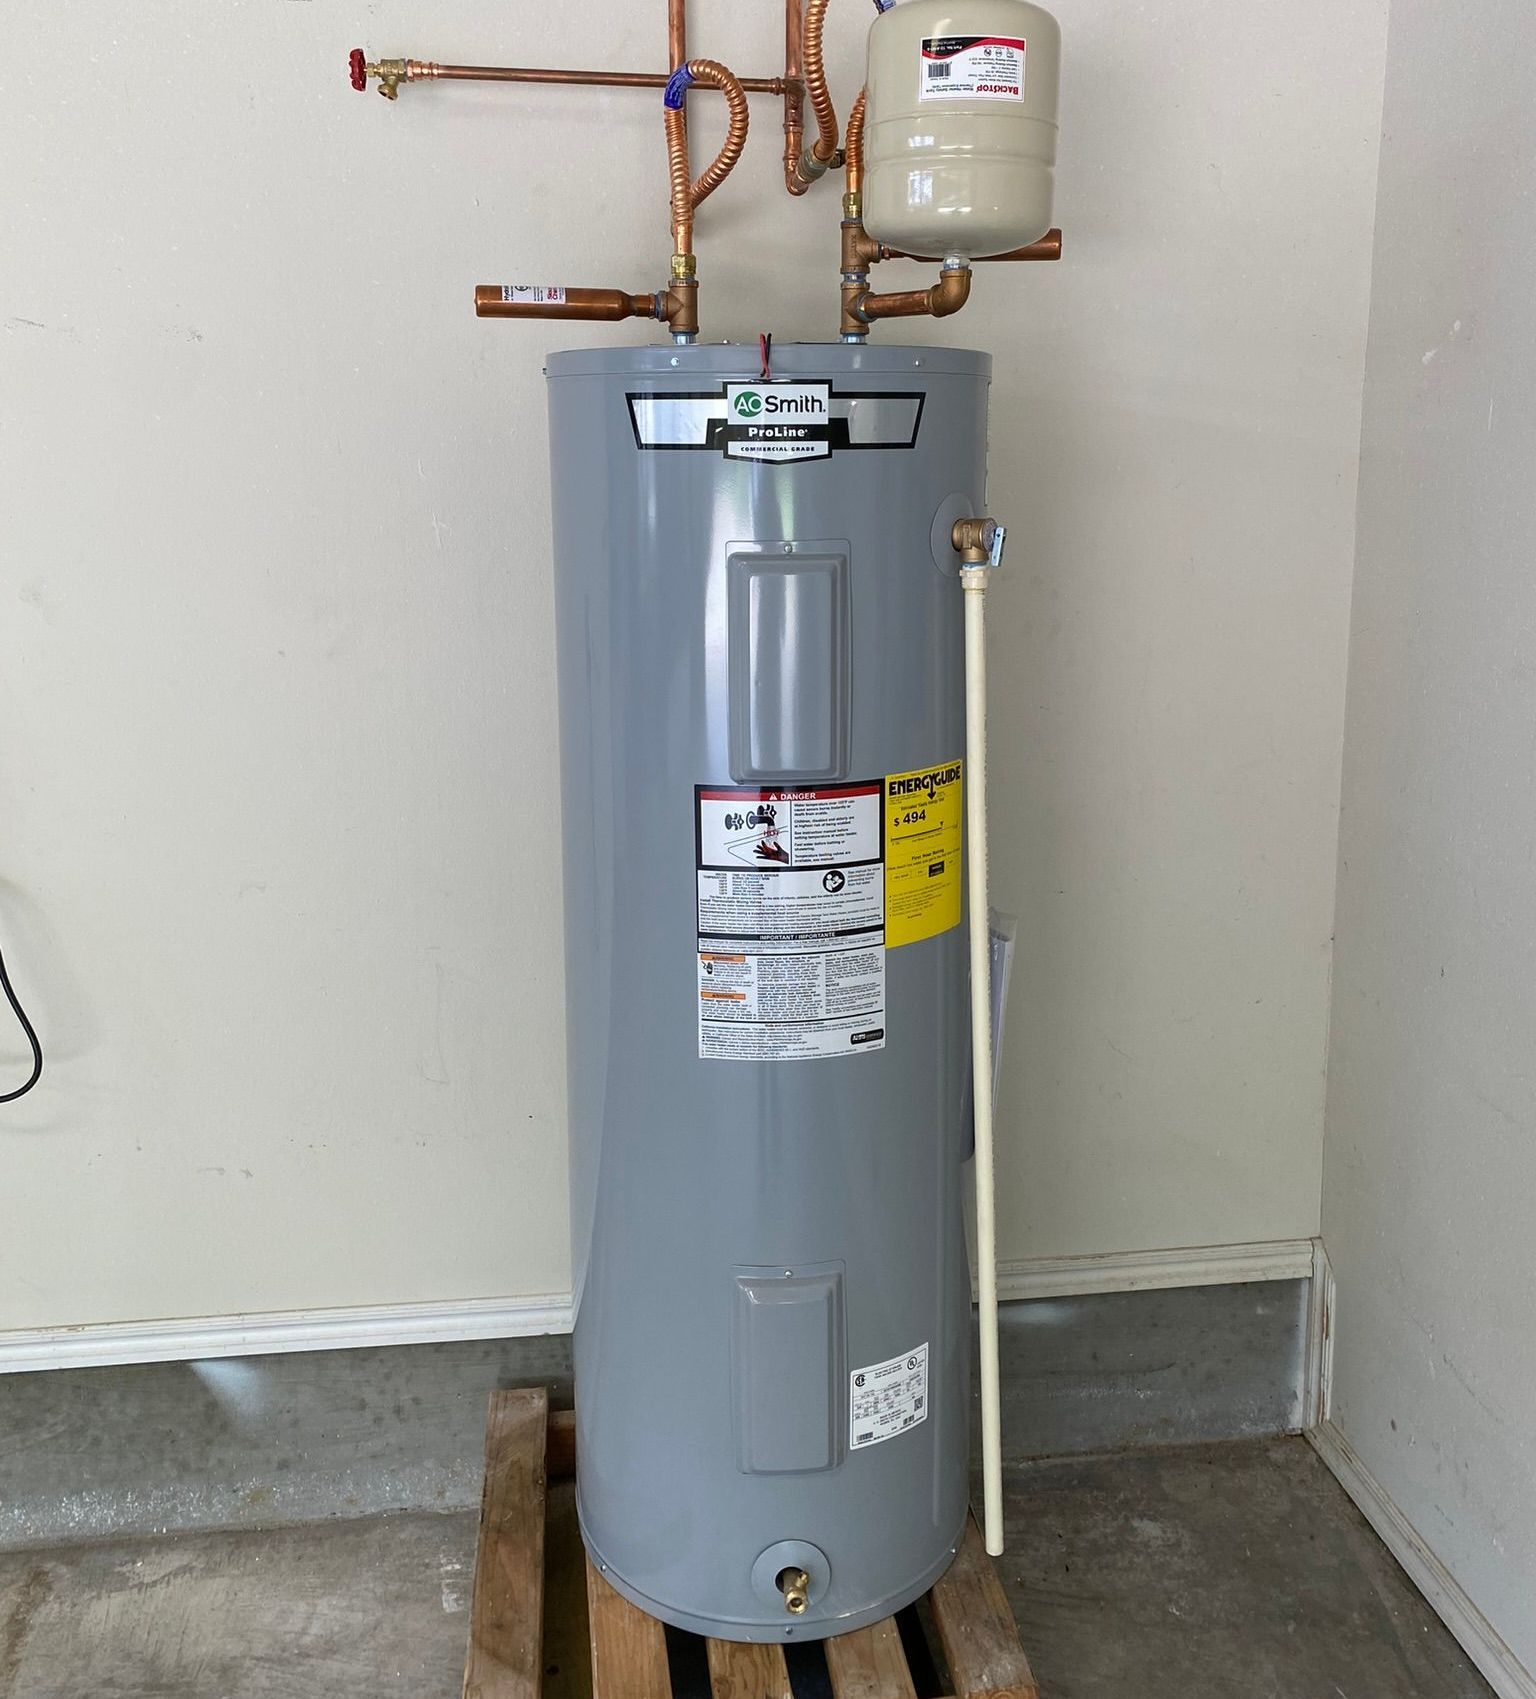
945, 298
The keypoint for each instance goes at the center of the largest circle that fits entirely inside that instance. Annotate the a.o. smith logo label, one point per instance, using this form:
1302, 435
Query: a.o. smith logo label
778, 423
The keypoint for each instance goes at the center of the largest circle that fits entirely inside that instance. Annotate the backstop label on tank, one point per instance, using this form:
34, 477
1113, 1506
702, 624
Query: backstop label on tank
972, 67
923, 820
775, 423
791, 921
887, 1398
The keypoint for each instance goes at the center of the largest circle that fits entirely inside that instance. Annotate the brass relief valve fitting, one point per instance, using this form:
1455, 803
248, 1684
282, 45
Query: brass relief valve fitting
979, 542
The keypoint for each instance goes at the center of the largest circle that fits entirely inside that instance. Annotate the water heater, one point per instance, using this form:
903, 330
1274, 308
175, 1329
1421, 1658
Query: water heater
761, 664
770, 563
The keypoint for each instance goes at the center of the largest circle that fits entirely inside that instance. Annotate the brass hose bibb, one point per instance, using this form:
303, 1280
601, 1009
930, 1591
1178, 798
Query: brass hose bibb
389, 72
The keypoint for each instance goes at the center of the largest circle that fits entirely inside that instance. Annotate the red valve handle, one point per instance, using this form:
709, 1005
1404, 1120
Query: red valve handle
357, 63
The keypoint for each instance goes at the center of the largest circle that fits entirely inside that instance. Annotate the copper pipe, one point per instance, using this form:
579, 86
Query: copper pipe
609, 305
794, 93
947, 296
677, 33
420, 70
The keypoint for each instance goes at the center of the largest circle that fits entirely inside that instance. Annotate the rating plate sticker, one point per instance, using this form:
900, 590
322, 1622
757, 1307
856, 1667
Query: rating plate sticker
887, 1398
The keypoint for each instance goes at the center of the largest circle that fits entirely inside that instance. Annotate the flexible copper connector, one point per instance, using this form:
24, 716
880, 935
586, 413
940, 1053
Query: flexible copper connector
681, 186
712, 74
947, 296
493, 301
687, 192
853, 148
824, 148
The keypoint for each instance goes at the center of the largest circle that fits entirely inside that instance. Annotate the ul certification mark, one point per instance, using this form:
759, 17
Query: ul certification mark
791, 922
887, 1398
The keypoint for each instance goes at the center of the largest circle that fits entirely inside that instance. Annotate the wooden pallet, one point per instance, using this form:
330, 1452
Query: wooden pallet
513, 1627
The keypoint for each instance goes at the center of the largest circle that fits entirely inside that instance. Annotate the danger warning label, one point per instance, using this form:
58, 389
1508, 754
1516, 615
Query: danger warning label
791, 922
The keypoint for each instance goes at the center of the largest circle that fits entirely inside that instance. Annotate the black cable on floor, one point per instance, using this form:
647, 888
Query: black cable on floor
27, 1028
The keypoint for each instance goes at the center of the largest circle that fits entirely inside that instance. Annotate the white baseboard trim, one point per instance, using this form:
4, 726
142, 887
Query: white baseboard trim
292, 1330
1147, 1271
1317, 1365
197, 1338
1501, 1669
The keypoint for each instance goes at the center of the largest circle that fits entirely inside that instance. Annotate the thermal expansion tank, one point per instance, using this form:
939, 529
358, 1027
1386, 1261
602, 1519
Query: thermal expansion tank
762, 720
960, 149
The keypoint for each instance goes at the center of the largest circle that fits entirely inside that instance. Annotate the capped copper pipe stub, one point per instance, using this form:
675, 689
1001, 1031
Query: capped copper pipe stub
538, 301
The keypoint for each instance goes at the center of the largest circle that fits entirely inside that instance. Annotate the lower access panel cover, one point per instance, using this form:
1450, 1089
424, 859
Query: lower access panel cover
788, 1363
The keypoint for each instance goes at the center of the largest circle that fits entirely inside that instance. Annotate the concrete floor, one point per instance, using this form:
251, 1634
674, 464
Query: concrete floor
1234, 1571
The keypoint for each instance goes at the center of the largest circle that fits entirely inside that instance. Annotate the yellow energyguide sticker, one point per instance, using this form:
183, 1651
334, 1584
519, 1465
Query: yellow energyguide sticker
924, 815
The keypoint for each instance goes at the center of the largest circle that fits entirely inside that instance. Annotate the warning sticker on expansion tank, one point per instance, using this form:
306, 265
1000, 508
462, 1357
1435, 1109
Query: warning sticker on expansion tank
791, 913
972, 67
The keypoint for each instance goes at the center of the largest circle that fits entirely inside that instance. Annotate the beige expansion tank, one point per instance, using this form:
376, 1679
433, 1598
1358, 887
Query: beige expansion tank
961, 138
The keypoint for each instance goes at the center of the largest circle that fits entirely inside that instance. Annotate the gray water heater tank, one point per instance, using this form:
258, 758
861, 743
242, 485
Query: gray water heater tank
762, 722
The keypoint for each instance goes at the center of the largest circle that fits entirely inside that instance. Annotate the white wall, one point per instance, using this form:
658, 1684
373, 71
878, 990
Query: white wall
1431, 1150
276, 734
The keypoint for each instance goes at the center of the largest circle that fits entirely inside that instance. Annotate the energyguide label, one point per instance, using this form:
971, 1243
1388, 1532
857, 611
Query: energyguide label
924, 820
791, 921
